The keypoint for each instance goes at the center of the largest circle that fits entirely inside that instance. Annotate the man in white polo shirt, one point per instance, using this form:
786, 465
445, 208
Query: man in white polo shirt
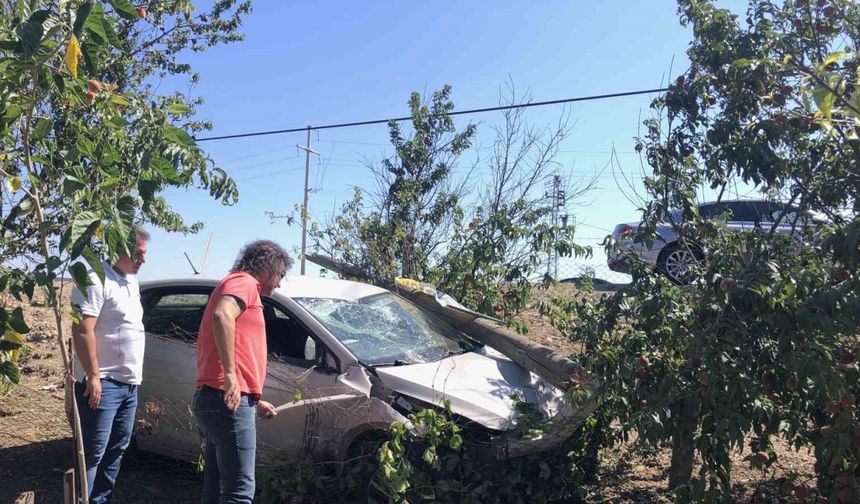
109, 343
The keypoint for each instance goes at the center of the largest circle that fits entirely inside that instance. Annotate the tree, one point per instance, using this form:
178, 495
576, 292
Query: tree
86, 145
485, 247
763, 343
492, 262
415, 206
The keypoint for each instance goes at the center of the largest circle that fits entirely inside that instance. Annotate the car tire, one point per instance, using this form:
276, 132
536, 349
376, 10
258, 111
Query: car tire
680, 262
364, 468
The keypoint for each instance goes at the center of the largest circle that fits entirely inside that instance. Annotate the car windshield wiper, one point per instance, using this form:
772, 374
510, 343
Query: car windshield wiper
397, 362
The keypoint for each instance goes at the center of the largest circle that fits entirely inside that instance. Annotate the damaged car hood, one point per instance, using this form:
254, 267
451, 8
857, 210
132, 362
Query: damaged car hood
480, 386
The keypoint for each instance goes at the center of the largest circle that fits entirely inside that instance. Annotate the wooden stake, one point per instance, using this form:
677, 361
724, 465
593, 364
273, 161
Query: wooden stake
69, 493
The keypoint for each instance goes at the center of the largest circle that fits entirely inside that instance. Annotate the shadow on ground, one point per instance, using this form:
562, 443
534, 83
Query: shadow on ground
144, 478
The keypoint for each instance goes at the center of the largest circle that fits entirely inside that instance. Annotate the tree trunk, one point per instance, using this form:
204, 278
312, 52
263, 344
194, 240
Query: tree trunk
683, 450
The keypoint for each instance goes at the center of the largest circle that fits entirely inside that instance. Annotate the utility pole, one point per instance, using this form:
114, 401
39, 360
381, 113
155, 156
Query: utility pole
557, 197
308, 151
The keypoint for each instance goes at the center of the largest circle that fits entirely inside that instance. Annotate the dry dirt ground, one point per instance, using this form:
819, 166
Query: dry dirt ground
36, 446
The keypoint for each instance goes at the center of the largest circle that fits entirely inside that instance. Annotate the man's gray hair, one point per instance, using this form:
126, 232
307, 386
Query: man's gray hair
262, 257
141, 234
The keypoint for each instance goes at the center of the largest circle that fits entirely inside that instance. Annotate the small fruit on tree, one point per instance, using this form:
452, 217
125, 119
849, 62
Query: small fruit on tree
90, 97
847, 400
791, 383
826, 431
762, 457
832, 407
727, 283
643, 361
704, 378
141, 12
94, 85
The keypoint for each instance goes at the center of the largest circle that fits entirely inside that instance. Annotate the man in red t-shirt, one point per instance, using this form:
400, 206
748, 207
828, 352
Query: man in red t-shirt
231, 370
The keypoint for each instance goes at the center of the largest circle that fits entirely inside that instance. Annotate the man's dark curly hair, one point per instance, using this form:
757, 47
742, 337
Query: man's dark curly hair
262, 257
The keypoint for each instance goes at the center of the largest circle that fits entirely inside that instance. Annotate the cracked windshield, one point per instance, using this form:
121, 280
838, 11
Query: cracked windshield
384, 329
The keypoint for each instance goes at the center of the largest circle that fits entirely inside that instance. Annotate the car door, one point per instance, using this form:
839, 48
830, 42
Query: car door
164, 421
318, 408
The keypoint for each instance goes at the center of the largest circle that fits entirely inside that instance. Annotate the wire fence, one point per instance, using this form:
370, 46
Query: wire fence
602, 278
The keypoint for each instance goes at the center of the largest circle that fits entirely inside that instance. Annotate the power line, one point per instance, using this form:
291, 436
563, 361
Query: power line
459, 112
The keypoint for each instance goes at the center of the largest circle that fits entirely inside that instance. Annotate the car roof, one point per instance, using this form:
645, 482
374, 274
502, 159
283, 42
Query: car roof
291, 287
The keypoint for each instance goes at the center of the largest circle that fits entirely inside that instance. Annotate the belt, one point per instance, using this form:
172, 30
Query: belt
213, 389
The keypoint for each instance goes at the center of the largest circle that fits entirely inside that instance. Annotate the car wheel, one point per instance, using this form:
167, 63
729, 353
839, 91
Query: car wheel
680, 263
364, 470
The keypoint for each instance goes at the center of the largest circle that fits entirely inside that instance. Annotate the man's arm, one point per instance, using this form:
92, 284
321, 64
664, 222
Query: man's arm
84, 338
227, 310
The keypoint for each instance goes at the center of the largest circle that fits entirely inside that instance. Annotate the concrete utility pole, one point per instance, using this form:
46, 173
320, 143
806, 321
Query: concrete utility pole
308, 152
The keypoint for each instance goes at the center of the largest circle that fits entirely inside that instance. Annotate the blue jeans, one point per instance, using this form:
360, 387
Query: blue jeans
106, 432
229, 446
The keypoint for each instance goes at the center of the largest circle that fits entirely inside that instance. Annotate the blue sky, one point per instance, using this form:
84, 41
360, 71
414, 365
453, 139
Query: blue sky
318, 63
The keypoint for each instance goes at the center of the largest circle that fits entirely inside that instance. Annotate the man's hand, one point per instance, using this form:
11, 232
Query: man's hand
232, 393
94, 391
266, 410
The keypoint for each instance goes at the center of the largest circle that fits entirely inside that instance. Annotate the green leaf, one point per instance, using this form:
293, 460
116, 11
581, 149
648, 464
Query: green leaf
124, 9
165, 169
8, 346
31, 37
83, 227
832, 58
43, 126
81, 17
10, 371
10, 45
40, 16
94, 24
84, 146
177, 108
13, 184
96, 30
824, 99
118, 99
71, 186
178, 135
116, 121
110, 32
95, 262
80, 276
16, 321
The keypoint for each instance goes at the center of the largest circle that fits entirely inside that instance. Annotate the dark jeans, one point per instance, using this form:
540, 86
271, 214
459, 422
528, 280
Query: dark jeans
229, 446
106, 432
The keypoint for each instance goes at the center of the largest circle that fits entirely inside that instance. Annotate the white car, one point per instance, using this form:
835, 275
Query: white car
678, 260
346, 359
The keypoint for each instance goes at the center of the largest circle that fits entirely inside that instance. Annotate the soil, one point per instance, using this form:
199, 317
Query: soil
36, 445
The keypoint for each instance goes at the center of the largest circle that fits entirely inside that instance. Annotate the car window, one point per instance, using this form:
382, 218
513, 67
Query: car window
287, 338
745, 211
176, 315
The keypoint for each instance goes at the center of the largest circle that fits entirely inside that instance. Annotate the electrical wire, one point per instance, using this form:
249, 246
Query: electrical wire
459, 112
